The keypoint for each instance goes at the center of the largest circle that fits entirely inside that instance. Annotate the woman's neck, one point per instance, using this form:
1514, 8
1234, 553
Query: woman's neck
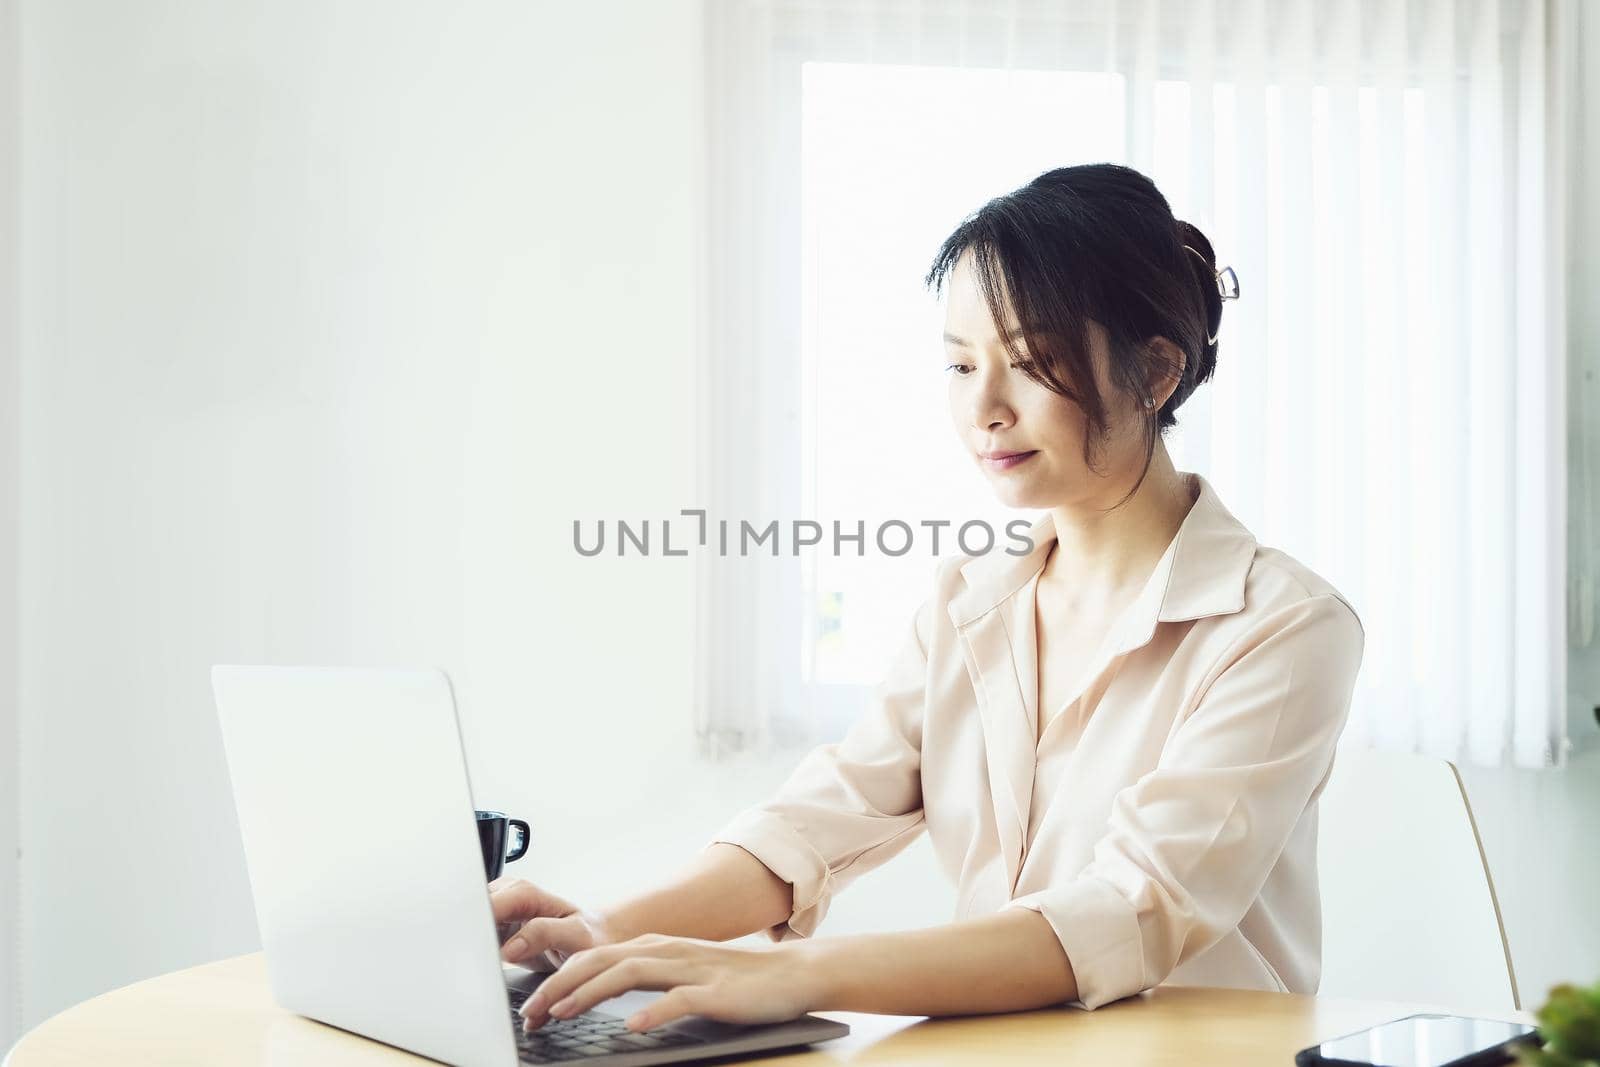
1100, 552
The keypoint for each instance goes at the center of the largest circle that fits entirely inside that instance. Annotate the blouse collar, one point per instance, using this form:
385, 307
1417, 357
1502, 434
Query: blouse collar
1202, 572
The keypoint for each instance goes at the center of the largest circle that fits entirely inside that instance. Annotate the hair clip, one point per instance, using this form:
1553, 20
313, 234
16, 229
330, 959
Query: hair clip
1227, 284
1228, 291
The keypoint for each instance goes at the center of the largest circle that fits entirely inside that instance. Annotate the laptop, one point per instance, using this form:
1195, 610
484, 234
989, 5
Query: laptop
362, 849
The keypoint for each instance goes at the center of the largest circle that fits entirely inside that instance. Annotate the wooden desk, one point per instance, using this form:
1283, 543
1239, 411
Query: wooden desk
223, 1013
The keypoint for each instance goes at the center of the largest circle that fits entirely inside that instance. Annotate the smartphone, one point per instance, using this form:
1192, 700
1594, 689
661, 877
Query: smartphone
1423, 1041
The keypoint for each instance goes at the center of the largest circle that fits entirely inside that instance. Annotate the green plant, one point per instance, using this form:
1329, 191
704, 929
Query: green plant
1569, 1025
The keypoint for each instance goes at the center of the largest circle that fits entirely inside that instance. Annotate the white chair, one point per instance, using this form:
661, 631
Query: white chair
1408, 907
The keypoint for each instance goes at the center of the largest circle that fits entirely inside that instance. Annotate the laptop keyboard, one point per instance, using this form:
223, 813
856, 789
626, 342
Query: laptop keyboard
594, 1033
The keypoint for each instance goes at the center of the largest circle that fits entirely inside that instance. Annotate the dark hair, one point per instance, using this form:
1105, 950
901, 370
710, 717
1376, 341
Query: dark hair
1096, 241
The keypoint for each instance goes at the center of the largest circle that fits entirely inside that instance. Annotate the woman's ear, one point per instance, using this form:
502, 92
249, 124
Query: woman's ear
1167, 363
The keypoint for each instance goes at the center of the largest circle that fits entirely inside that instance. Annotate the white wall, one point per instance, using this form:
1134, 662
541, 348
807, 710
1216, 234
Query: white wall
9, 883
337, 315
1583, 332
1541, 831
334, 318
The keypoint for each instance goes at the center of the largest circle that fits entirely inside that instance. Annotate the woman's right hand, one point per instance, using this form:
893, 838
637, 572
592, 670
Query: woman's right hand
538, 930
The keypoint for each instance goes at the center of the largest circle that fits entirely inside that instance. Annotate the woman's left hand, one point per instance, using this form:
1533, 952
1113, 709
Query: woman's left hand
735, 984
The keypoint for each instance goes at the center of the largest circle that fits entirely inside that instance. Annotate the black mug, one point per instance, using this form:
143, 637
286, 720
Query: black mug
493, 829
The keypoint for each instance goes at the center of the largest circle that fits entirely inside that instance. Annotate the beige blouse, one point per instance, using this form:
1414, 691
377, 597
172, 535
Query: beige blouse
1165, 823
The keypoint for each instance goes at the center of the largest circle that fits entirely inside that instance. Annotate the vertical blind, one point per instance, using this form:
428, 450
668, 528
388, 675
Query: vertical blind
1389, 180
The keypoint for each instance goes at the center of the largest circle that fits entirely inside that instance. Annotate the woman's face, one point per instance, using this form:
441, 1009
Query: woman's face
997, 409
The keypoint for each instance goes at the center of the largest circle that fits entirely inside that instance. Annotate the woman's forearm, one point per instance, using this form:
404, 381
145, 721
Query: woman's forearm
724, 893
1008, 961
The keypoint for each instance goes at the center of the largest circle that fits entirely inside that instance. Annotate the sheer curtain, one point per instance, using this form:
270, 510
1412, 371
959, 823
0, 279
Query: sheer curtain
1388, 180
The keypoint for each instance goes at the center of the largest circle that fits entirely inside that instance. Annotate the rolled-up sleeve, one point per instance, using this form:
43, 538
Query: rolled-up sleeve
1189, 845
849, 806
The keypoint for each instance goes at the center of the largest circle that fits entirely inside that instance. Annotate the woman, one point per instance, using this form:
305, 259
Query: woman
1115, 742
